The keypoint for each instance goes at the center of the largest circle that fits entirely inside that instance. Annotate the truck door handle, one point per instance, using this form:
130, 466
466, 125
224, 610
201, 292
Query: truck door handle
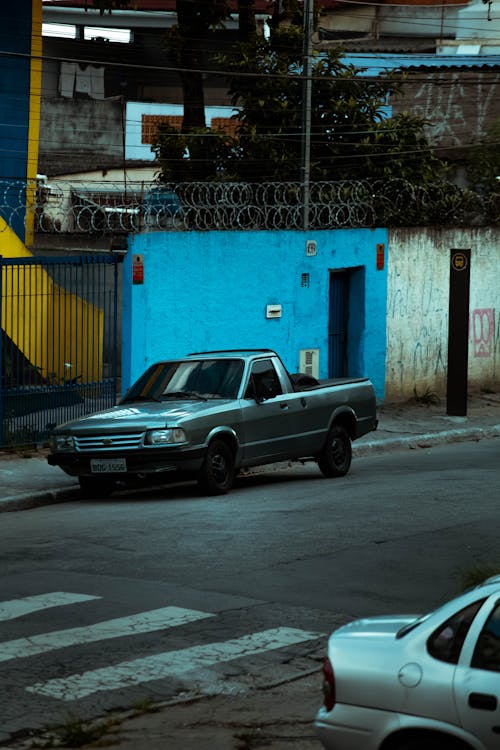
283, 406
483, 701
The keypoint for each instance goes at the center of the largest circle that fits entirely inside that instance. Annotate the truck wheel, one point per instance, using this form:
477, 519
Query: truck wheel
217, 473
335, 458
93, 487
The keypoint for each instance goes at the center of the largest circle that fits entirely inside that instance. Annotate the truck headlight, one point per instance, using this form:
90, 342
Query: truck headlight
172, 436
61, 443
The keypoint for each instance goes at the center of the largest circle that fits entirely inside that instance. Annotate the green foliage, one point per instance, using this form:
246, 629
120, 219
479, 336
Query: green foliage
427, 398
483, 168
398, 146
351, 136
188, 157
77, 733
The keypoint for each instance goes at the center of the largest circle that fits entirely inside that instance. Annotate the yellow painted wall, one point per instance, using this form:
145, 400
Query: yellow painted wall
34, 117
50, 326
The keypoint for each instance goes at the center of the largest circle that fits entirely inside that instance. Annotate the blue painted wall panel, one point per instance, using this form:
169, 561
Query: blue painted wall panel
210, 291
15, 44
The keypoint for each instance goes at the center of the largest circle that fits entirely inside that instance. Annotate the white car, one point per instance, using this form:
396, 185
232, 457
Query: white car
425, 683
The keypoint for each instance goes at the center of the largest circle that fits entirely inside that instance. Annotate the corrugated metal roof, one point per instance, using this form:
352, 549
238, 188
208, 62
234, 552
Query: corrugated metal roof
366, 43
379, 62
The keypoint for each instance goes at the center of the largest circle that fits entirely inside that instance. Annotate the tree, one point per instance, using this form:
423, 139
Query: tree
185, 43
247, 31
351, 134
188, 157
483, 168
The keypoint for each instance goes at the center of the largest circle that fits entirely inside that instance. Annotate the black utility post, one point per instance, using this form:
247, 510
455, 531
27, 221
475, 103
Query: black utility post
306, 111
458, 333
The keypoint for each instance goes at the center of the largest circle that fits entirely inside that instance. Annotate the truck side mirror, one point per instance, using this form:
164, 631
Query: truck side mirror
251, 391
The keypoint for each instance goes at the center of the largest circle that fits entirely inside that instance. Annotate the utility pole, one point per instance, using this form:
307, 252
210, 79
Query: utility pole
306, 110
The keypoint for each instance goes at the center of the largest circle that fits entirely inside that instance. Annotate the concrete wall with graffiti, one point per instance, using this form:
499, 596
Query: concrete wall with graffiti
459, 106
417, 309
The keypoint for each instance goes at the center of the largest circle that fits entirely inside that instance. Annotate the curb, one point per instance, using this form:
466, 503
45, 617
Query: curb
370, 447
38, 499
426, 439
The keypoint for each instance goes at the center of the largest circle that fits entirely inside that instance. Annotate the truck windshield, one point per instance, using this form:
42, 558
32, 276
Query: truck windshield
206, 379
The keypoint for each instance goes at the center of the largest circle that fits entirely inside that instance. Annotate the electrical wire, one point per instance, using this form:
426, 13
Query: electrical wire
283, 137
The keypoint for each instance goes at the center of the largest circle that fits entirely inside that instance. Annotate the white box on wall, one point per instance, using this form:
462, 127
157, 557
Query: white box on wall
274, 311
309, 362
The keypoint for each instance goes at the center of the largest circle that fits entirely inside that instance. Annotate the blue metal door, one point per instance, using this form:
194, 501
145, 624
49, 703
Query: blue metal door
337, 324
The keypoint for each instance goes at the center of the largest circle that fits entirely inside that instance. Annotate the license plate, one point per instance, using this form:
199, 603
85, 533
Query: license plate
107, 465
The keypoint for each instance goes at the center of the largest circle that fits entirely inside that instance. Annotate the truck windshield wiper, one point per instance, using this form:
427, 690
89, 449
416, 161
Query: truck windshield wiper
184, 394
131, 399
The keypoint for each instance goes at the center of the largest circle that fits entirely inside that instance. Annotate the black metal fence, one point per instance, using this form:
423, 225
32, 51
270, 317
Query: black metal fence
59, 342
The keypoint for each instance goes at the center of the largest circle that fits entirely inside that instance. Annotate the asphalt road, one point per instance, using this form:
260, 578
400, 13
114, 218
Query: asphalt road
201, 595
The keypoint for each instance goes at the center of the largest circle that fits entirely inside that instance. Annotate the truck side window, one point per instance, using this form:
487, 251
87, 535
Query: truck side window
266, 383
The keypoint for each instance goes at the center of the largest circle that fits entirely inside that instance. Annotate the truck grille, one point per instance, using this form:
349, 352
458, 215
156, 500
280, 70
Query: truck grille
124, 441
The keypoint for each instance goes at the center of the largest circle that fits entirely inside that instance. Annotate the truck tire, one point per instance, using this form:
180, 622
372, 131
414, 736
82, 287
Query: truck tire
94, 487
217, 473
335, 457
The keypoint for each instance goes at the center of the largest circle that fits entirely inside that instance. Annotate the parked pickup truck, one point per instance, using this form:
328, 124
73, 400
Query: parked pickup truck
211, 414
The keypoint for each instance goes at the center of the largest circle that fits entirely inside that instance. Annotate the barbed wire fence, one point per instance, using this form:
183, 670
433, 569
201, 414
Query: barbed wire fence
109, 207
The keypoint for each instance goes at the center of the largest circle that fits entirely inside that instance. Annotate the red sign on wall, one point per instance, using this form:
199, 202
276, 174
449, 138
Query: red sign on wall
138, 269
380, 256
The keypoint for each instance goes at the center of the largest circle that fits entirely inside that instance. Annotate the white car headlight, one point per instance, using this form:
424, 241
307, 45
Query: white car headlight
172, 436
61, 443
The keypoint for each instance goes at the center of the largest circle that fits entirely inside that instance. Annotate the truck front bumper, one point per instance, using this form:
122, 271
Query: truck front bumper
143, 461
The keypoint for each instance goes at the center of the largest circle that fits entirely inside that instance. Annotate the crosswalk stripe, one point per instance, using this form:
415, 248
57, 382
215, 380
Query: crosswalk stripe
144, 622
10, 610
168, 664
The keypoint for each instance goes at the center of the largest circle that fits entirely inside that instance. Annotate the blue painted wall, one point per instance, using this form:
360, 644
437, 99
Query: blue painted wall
209, 290
19, 91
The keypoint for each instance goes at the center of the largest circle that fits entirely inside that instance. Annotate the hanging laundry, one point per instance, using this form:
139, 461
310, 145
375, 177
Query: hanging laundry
96, 81
83, 83
67, 76
86, 79
90, 81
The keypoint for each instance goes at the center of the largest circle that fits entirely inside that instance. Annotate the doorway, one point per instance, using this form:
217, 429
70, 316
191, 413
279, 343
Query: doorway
337, 324
346, 322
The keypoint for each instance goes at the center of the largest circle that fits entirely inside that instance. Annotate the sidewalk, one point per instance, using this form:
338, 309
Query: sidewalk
27, 481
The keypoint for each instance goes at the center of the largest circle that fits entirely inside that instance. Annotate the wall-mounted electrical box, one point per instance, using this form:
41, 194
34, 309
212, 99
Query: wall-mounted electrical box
273, 311
309, 362
311, 247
